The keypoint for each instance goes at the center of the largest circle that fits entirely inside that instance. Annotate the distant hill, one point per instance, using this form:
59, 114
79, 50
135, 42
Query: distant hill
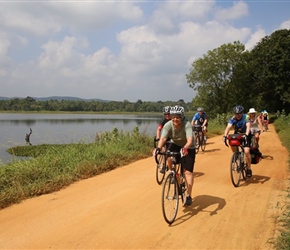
58, 98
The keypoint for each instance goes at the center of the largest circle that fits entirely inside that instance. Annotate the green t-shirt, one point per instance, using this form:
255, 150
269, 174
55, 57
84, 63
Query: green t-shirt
178, 136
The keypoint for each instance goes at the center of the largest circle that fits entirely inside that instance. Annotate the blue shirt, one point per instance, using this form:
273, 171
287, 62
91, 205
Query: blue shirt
239, 125
199, 118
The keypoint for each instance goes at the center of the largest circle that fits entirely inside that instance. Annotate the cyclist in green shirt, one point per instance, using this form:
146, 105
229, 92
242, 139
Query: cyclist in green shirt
180, 131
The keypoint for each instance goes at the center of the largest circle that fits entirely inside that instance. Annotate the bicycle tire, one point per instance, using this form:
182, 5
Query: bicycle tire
197, 143
203, 143
170, 198
162, 163
235, 169
244, 171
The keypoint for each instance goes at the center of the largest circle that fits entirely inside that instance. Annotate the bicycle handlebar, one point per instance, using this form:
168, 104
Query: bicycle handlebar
167, 153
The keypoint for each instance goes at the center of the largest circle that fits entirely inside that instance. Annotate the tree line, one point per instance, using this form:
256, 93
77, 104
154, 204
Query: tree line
230, 75
30, 104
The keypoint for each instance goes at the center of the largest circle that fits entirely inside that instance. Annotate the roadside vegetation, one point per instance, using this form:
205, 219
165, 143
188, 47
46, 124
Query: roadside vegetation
282, 125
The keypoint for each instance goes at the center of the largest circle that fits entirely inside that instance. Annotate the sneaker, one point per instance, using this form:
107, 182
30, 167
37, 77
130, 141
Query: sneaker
163, 169
188, 201
249, 173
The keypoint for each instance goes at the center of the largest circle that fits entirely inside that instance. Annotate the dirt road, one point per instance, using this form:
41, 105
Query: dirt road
122, 209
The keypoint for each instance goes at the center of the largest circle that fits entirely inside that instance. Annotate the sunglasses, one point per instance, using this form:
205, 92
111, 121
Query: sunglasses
238, 113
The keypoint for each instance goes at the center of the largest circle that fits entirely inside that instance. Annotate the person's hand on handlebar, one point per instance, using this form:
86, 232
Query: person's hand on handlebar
156, 151
224, 139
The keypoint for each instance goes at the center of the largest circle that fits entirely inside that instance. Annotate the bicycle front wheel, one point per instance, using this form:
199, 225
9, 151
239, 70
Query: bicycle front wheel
197, 143
161, 169
170, 198
202, 142
235, 169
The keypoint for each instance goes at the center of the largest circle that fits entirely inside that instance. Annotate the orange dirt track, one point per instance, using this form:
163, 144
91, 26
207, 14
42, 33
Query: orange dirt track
122, 209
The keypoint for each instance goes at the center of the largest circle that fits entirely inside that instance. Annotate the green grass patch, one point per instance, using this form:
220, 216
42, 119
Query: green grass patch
53, 167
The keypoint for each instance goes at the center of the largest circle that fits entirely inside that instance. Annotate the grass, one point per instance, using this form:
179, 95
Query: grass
53, 167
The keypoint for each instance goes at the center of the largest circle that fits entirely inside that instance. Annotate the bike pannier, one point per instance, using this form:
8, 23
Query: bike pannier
256, 155
235, 139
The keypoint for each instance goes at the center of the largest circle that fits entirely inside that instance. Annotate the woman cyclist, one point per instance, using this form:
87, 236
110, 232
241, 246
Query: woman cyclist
255, 124
181, 134
241, 123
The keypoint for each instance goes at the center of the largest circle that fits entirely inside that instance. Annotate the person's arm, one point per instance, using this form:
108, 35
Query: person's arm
248, 128
158, 131
204, 122
227, 130
161, 142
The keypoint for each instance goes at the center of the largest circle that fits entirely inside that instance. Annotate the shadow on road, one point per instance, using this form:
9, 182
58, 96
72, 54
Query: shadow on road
199, 204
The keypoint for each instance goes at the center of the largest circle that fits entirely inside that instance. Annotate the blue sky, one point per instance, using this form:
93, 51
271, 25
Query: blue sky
121, 50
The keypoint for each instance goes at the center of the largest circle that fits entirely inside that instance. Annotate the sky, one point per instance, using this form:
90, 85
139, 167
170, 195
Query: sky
122, 50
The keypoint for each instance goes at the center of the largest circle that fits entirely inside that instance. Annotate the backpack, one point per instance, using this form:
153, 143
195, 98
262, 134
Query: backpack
256, 155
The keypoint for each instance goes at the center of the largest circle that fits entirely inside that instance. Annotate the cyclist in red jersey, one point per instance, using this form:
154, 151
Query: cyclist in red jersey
166, 118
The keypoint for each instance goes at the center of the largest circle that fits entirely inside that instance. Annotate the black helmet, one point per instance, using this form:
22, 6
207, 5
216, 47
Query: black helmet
166, 110
177, 110
200, 109
238, 109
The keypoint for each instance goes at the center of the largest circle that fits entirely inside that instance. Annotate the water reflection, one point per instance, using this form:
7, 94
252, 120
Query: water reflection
66, 128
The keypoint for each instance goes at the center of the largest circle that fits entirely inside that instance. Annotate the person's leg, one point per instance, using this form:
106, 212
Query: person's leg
248, 160
187, 164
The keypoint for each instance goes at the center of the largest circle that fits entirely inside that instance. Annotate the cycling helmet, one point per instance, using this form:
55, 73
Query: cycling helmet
166, 110
177, 110
238, 109
200, 109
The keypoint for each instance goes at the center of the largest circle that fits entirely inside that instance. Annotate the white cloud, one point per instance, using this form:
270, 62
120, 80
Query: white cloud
113, 50
285, 25
255, 38
238, 10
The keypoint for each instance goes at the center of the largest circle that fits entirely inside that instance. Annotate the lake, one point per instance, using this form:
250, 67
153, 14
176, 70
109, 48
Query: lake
65, 128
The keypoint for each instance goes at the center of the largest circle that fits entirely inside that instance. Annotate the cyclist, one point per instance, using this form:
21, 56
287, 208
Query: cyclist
181, 134
241, 124
265, 118
165, 119
255, 124
200, 118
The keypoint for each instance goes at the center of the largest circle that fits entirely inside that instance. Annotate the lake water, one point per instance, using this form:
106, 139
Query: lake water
65, 128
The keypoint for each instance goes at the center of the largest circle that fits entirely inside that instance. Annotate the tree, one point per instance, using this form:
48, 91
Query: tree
214, 78
270, 64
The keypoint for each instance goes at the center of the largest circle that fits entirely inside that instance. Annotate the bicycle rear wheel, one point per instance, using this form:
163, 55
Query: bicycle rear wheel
170, 198
235, 169
161, 169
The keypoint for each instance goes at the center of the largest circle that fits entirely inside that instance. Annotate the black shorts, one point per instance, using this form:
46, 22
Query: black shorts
187, 162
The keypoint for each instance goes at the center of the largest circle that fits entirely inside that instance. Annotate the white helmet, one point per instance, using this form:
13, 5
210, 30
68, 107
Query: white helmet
177, 110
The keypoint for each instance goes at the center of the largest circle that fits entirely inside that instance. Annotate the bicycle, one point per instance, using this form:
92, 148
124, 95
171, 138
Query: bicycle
238, 167
161, 167
174, 187
199, 138
265, 125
